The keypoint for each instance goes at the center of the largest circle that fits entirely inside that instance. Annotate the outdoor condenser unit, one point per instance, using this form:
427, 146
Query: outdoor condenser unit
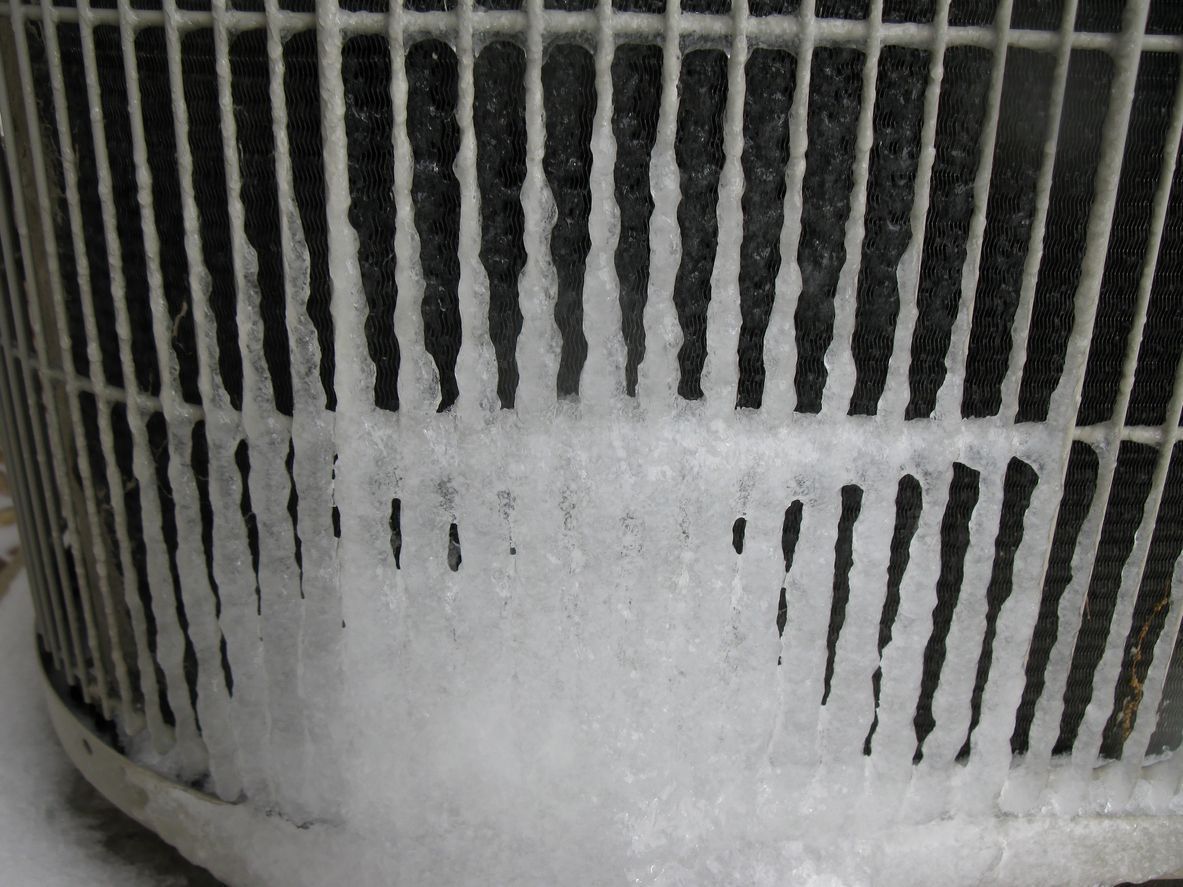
574, 442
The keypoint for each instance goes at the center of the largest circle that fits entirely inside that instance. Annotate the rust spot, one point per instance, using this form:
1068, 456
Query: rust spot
1129, 708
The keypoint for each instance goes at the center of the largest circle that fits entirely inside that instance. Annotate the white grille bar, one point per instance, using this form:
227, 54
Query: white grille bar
1021, 323
839, 356
170, 637
1088, 739
903, 658
657, 375
203, 630
268, 440
989, 764
308, 646
894, 400
1051, 703
951, 701
1067, 394
801, 673
602, 379
633, 27
720, 373
56, 448
239, 621
476, 367
418, 386
780, 343
948, 400
1094, 435
283, 613
851, 708
538, 345
1163, 776
31, 507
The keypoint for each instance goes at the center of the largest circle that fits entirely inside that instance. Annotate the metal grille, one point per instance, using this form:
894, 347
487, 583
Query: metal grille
291, 289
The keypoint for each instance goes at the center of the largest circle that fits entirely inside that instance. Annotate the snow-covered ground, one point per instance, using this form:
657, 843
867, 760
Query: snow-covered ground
55, 830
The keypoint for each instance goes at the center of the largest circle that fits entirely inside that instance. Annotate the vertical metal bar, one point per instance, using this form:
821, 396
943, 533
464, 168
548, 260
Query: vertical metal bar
809, 592
476, 367
902, 660
212, 700
851, 707
1066, 397
267, 434
720, 374
841, 378
539, 343
657, 375
895, 394
1043, 189
1088, 739
985, 776
239, 621
25, 454
20, 458
780, 343
282, 616
56, 449
951, 701
362, 505
1123, 775
418, 388
602, 381
1051, 704
169, 639
948, 400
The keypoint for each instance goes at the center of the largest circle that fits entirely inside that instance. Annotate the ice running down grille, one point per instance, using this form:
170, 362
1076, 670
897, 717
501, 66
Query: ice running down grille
796, 385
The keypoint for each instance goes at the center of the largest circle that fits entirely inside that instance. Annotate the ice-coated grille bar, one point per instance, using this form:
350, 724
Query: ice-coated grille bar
192, 579
1022, 317
18, 431
895, 393
67, 521
1095, 435
657, 383
216, 419
720, 376
643, 27
173, 647
1107, 184
421, 390
781, 360
840, 361
23, 476
1051, 704
949, 393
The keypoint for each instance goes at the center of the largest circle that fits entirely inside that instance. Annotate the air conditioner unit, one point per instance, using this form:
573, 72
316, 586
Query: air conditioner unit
634, 441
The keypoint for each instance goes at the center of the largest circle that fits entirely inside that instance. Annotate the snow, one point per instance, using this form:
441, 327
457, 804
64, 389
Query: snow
55, 830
